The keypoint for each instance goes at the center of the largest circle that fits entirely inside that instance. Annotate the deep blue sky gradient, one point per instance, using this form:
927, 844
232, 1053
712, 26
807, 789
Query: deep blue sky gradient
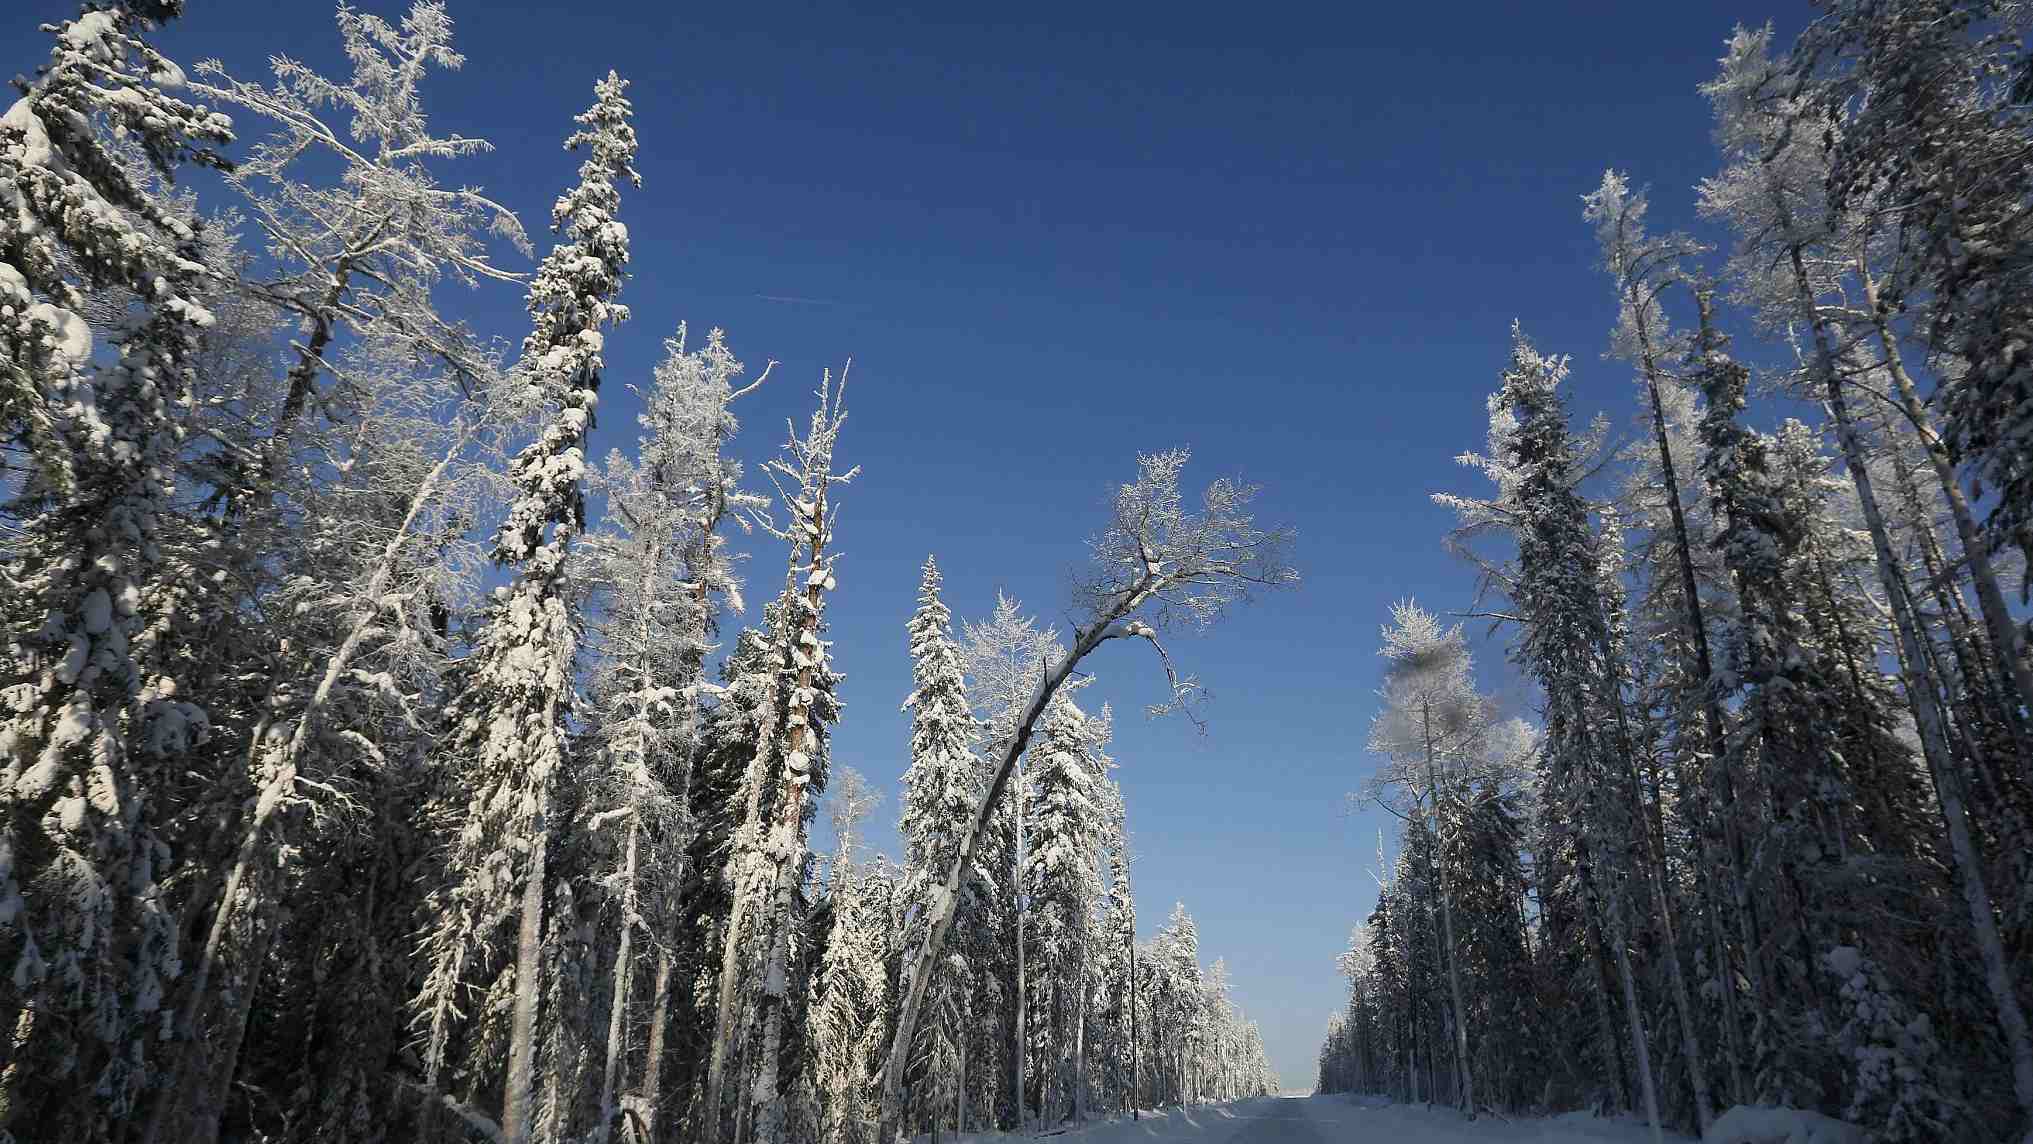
1292, 237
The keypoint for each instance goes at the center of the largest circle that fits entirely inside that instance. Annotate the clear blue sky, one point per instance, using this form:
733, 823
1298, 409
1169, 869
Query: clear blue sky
1290, 237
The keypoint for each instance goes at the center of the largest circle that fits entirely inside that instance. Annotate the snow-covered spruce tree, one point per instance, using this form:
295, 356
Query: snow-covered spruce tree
1779, 740
1062, 883
850, 993
1556, 591
1219, 1048
1154, 565
940, 788
513, 694
1644, 267
1176, 961
1488, 882
1115, 942
1774, 192
95, 719
1345, 1061
1387, 1039
769, 847
803, 663
725, 749
281, 470
1868, 263
662, 569
1636, 820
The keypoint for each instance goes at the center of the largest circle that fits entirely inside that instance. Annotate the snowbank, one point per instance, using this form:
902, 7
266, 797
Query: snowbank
1746, 1125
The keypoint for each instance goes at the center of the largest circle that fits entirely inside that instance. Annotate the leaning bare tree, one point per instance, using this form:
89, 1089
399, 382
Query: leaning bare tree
1155, 566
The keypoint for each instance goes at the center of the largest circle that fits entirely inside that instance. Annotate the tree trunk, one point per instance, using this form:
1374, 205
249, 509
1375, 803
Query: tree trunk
1019, 1030
610, 1071
747, 876
1447, 917
1641, 1054
787, 843
1135, 1096
766, 1104
1080, 1053
631, 899
515, 1096
1654, 865
653, 1059
1610, 910
1998, 623
698, 557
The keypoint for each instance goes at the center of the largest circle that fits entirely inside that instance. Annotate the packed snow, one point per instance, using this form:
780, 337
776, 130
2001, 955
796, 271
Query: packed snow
1344, 1118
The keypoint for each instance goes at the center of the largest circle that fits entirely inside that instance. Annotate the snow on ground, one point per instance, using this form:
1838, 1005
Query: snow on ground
1338, 1119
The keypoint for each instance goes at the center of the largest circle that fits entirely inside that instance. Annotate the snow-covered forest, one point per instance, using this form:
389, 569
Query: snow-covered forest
1765, 836
381, 766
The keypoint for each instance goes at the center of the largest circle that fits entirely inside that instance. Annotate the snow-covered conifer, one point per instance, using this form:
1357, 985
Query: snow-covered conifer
1065, 794
515, 692
1784, 199
940, 788
95, 720
850, 1005
1431, 731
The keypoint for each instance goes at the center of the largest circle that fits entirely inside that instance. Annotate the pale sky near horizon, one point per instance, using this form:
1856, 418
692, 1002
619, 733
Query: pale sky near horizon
1292, 238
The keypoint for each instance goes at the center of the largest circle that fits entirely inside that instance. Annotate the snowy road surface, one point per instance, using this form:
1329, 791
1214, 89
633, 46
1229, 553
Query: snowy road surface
1275, 1122
1341, 1120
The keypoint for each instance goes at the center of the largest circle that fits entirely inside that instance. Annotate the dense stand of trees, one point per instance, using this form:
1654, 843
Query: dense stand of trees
1768, 843
380, 766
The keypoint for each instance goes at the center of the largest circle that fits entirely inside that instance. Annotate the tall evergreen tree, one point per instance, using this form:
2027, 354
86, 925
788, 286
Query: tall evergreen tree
97, 720
1062, 884
940, 788
515, 693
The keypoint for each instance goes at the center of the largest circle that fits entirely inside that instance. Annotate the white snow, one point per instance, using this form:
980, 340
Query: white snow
1345, 1119
35, 147
73, 335
1746, 1125
88, 33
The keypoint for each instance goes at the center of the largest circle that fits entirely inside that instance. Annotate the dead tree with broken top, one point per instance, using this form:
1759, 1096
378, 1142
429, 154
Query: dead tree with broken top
770, 846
